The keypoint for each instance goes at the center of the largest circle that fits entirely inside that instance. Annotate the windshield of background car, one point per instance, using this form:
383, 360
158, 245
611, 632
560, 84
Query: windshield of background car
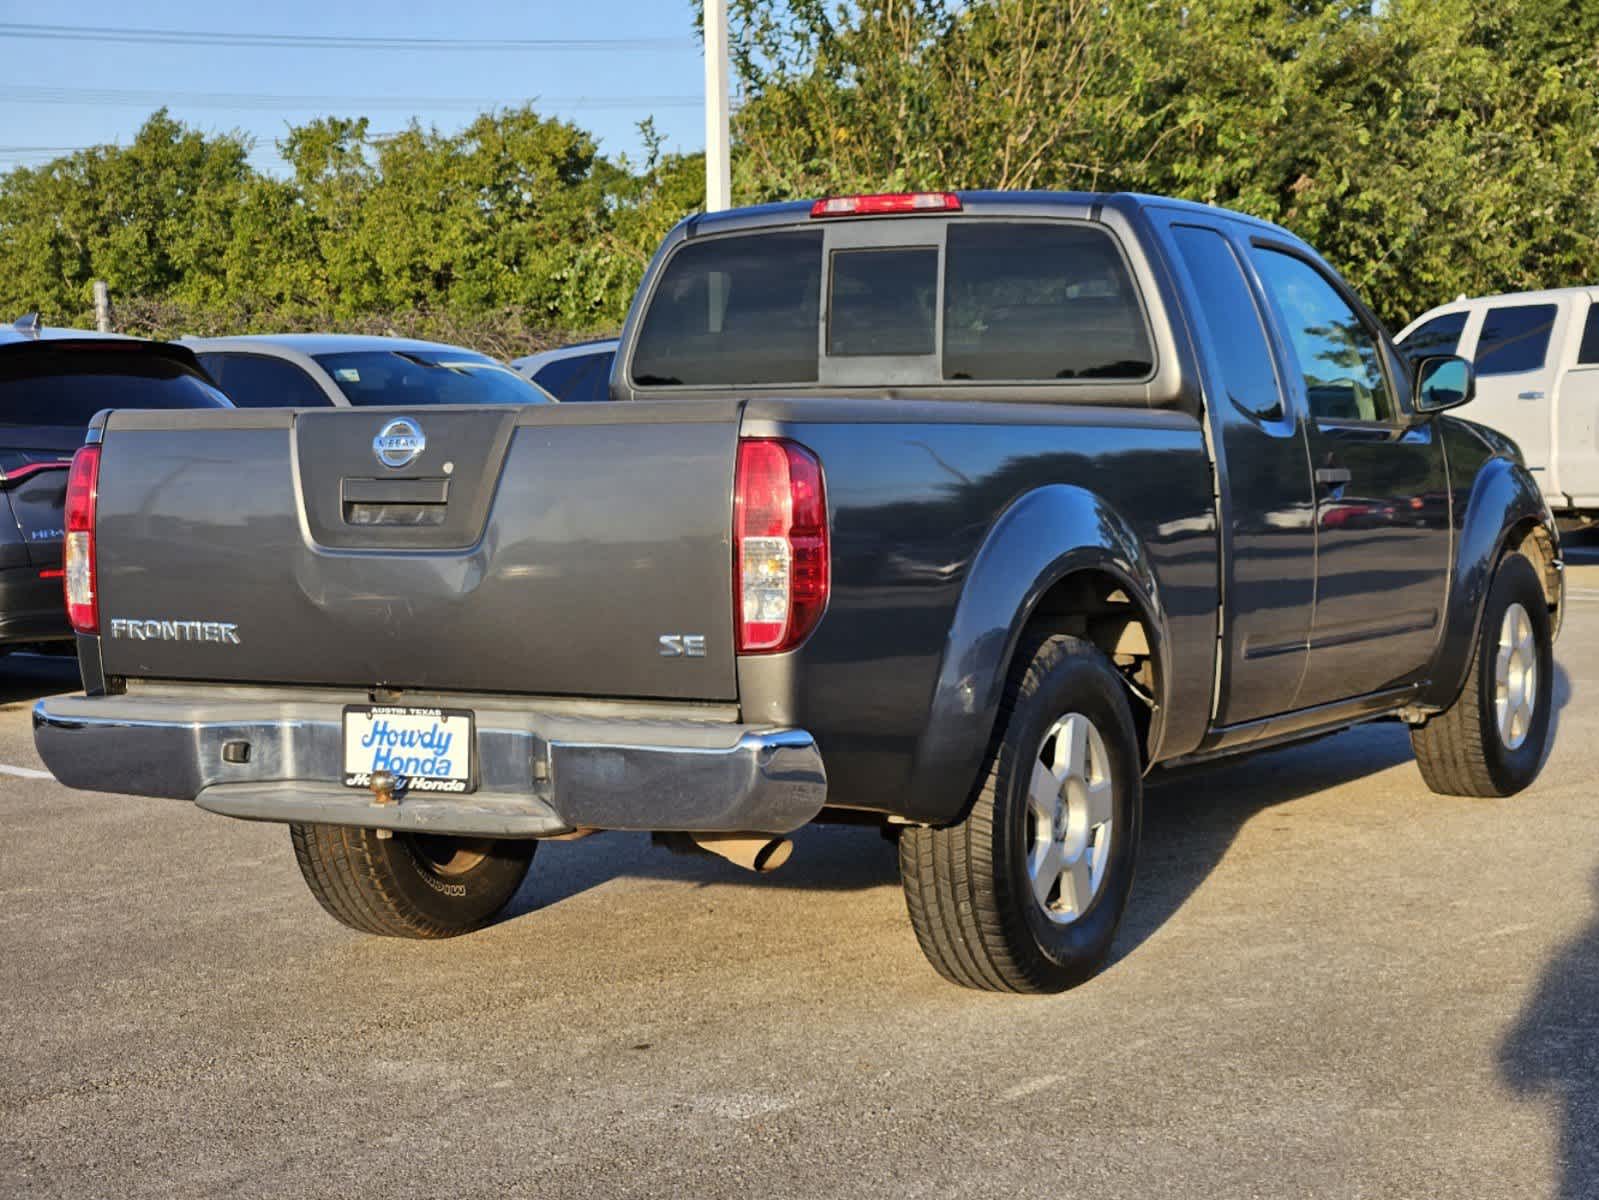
413, 377
65, 386
982, 300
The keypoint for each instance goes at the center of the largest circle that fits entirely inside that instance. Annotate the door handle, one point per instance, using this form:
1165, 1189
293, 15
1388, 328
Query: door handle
1529, 396
1332, 476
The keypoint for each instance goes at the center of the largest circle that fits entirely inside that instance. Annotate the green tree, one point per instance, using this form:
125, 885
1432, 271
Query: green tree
147, 218
1404, 140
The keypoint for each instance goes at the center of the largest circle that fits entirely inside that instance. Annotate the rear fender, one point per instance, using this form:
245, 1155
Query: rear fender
1503, 497
1041, 539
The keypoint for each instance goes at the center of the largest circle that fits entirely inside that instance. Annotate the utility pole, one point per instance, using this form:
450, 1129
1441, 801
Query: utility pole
102, 306
718, 170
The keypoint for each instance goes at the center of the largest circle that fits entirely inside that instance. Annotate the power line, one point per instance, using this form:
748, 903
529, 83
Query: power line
296, 41
156, 98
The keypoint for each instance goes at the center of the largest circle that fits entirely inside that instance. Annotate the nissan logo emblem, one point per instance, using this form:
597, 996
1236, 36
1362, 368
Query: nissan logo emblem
399, 443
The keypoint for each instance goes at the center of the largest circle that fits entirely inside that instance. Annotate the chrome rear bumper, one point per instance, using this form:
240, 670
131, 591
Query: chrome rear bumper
539, 773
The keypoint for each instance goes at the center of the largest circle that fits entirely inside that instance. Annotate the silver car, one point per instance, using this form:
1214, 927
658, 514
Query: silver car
573, 374
337, 370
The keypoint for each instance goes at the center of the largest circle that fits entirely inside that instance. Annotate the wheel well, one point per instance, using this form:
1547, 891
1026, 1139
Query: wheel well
1096, 606
1532, 540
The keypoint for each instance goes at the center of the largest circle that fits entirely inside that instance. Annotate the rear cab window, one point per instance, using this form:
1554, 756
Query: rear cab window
921, 301
1040, 301
883, 302
65, 385
734, 310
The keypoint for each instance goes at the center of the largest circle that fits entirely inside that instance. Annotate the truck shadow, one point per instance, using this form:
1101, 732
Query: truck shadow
1553, 1052
1191, 819
826, 858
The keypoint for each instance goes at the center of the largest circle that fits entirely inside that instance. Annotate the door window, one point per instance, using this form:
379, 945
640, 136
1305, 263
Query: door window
1514, 339
256, 381
1588, 353
1441, 335
1336, 353
1231, 321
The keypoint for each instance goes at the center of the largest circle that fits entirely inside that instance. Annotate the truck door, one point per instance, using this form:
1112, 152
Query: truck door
1382, 504
1576, 456
1269, 550
1516, 377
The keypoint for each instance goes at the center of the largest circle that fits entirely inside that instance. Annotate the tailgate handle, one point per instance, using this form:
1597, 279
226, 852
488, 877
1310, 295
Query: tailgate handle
396, 491
403, 502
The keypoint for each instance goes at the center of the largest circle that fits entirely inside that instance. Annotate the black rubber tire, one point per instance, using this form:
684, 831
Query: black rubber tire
1459, 750
966, 884
394, 887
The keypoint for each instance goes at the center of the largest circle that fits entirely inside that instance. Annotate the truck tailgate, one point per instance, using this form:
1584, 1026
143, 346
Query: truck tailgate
542, 550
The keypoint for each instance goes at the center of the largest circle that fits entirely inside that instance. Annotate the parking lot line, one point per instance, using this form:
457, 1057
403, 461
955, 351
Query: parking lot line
24, 772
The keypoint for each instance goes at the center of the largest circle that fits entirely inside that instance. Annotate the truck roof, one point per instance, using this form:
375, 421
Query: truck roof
1540, 294
1083, 205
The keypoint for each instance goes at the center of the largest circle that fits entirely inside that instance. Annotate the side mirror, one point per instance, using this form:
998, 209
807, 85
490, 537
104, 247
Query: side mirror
1444, 382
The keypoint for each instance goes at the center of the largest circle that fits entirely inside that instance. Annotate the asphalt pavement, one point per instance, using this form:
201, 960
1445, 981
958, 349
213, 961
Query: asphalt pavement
1330, 983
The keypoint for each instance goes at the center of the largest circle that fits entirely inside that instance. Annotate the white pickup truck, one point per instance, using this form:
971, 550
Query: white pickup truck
1537, 360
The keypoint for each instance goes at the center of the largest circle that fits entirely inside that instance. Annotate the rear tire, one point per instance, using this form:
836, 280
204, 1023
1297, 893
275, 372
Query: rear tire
1025, 893
1479, 745
409, 885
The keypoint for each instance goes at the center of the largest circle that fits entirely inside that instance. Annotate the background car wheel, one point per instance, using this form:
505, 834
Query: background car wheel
410, 885
1025, 894
1491, 741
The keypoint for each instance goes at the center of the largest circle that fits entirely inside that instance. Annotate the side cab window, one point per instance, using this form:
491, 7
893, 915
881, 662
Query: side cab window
1234, 325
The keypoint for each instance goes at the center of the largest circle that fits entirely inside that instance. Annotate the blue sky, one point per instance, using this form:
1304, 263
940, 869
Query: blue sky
73, 91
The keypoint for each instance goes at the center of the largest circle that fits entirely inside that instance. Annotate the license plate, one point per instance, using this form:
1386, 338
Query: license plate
425, 749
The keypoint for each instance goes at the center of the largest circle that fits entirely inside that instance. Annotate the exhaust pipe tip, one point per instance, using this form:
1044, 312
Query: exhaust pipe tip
758, 852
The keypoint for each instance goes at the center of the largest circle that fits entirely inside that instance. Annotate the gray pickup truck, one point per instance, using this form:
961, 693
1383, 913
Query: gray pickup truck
959, 513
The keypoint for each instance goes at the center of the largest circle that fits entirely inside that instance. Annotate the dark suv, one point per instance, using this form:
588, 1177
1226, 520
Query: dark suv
52, 382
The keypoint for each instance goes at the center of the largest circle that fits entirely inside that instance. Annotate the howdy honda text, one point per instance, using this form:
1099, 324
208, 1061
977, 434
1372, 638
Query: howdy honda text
175, 631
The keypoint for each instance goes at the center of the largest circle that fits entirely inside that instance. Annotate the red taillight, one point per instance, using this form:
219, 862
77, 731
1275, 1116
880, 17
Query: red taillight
780, 551
83, 490
886, 203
